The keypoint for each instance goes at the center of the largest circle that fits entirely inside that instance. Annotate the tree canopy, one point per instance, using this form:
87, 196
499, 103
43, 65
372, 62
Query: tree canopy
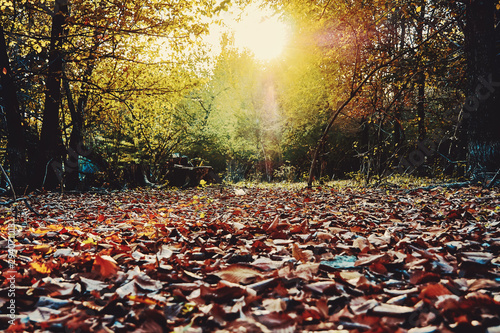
91, 87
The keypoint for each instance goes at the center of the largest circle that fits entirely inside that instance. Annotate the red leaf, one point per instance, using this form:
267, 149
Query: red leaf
433, 291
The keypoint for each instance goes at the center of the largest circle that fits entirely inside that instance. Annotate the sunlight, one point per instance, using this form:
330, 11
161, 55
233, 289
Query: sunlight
261, 33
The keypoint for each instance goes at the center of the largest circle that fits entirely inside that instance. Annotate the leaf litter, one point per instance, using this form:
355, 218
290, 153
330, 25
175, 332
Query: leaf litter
255, 260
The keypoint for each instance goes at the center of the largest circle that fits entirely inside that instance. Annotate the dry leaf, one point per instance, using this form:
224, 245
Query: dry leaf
300, 255
105, 266
238, 273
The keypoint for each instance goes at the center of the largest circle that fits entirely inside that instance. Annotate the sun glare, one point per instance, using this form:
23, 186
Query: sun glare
261, 33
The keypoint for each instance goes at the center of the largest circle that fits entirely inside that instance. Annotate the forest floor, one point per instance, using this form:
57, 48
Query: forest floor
261, 259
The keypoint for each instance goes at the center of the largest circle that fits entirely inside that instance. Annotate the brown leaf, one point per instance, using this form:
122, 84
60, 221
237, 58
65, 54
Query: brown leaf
299, 254
105, 266
484, 284
392, 310
274, 225
238, 273
276, 320
370, 259
362, 244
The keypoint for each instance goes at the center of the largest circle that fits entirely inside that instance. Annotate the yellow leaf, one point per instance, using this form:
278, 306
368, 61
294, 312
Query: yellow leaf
89, 240
40, 268
419, 9
44, 248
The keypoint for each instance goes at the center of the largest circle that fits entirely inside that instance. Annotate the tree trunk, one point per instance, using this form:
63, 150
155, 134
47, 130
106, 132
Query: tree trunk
421, 78
75, 141
51, 145
422, 132
481, 107
16, 145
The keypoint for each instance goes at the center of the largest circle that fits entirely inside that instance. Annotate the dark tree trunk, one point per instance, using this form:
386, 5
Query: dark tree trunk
421, 78
398, 129
75, 141
16, 145
422, 132
482, 105
51, 145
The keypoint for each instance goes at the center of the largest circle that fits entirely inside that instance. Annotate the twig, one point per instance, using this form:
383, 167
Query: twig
23, 199
8, 181
450, 185
46, 171
493, 179
31, 208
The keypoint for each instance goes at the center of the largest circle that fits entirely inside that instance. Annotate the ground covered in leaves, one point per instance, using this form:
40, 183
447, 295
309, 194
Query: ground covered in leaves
253, 260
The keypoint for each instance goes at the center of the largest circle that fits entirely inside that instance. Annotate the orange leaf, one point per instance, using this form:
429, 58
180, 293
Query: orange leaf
105, 265
433, 291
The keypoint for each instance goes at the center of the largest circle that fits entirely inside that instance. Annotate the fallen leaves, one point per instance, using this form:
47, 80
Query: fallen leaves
257, 260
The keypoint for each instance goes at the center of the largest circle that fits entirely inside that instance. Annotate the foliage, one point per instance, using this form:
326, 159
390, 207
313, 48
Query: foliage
139, 84
266, 258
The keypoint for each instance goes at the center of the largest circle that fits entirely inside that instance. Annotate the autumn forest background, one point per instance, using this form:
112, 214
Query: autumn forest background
365, 89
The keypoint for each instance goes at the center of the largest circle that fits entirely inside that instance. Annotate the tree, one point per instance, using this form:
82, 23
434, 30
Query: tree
481, 108
71, 65
51, 144
16, 147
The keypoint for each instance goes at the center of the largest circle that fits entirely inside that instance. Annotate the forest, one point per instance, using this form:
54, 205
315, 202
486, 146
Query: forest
96, 92
354, 145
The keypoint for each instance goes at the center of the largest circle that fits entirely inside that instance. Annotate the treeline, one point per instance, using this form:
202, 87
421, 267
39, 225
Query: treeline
90, 88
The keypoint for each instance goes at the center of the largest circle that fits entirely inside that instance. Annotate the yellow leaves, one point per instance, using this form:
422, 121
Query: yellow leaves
38, 48
40, 268
419, 9
145, 300
43, 248
89, 240
6, 5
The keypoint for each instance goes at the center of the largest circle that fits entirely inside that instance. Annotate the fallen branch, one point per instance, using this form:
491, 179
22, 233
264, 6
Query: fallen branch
493, 179
26, 202
450, 185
